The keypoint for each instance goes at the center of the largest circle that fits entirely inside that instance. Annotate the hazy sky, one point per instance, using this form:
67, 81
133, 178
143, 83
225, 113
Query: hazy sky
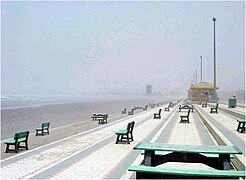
71, 47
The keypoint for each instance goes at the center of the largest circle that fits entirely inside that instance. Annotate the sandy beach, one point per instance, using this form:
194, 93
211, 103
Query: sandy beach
66, 120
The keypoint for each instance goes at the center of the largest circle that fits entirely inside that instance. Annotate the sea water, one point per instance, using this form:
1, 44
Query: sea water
14, 101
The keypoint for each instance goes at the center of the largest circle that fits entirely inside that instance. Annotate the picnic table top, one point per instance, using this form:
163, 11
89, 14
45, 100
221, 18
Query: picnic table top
186, 106
188, 148
96, 114
241, 120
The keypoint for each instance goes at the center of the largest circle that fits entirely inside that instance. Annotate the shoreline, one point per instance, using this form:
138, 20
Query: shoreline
57, 134
65, 120
14, 120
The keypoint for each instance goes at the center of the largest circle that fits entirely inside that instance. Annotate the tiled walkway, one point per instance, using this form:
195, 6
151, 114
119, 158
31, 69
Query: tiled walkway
94, 154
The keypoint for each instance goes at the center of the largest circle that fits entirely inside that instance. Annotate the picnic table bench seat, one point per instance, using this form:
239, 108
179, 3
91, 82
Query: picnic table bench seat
214, 109
241, 125
19, 137
185, 117
125, 134
157, 115
149, 172
43, 129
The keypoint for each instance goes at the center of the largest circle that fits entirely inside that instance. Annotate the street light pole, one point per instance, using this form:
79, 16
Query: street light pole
196, 76
215, 94
201, 68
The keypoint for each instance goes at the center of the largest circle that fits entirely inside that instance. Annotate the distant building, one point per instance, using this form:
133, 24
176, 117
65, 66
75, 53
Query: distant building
149, 89
201, 92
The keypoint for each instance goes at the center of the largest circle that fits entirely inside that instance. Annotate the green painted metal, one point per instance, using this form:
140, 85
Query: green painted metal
232, 102
123, 131
162, 153
188, 172
188, 148
241, 120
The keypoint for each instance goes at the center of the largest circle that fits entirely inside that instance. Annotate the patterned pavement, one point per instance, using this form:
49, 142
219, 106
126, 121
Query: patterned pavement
94, 154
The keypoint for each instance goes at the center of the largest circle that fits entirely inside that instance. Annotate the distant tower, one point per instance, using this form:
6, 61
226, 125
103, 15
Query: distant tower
149, 89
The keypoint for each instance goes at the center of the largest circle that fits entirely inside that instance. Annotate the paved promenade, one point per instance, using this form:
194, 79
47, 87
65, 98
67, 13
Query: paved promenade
94, 155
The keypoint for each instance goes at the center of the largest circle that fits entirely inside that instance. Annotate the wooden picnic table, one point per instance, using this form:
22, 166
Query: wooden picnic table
187, 153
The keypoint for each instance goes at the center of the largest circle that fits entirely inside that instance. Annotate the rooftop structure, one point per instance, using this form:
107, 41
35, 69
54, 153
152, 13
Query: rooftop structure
201, 92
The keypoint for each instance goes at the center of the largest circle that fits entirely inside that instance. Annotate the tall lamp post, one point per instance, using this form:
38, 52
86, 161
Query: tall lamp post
196, 76
201, 68
215, 94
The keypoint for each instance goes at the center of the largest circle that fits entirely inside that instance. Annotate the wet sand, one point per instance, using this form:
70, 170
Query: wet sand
66, 120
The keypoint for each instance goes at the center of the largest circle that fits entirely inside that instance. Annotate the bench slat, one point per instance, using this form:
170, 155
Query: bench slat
187, 172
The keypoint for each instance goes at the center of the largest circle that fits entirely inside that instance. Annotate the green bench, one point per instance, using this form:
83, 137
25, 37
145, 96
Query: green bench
145, 108
171, 104
19, 137
204, 104
185, 117
131, 112
241, 125
125, 134
102, 119
124, 111
149, 172
167, 108
44, 129
157, 115
214, 109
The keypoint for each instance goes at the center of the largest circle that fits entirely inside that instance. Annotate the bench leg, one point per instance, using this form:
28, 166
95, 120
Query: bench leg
224, 162
7, 148
128, 141
117, 139
17, 147
132, 137
238, 127
26, 145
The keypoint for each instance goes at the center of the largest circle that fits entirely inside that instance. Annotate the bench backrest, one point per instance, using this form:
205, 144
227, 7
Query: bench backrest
23, 134
129, 127
188, 113
159, 111
45, 125
132, 126
217, 104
